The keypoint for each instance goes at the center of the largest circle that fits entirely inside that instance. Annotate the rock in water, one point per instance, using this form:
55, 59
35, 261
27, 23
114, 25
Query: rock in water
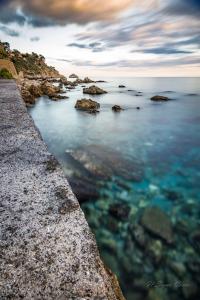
158, 223
73, 76
122, 86
87, 80
159, 98
117, 108
94, 90
87, 105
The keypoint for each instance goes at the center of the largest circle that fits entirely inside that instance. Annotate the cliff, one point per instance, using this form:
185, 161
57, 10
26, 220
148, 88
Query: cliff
30, 64
47, 250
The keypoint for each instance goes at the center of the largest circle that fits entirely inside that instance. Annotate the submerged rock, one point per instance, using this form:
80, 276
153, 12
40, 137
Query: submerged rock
159, 98
103, 163
139, 235
84, 188
122, 86
94, 90
178, 268
195, 239
155, 249
158, 223
117, 108
87, 105
119, 210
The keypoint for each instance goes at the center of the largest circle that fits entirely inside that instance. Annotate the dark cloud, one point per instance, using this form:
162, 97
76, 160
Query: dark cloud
183, 7
34, 39
77, 45
9, 31
95, 46
163, 50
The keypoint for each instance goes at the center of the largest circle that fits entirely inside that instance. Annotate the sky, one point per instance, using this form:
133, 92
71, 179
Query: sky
107, 37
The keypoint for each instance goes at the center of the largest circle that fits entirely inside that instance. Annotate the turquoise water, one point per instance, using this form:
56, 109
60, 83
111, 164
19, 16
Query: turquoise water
126, 162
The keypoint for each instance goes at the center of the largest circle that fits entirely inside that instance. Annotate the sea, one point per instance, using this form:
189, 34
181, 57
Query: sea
136, 174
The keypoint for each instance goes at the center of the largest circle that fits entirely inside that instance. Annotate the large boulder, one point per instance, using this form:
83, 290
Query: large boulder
158, 223
87, 105
159, 98
117, 108
94, 90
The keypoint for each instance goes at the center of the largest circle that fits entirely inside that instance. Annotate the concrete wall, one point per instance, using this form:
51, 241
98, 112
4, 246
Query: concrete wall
7, 64
47, 250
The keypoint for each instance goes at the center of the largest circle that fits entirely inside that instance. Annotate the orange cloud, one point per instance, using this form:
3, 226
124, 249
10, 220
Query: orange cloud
80, 11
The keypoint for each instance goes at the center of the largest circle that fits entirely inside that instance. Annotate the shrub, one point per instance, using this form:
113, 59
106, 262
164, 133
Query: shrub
3, 53
5, 74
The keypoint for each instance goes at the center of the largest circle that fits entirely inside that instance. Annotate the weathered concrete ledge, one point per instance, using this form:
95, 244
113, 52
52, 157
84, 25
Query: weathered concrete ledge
47, 250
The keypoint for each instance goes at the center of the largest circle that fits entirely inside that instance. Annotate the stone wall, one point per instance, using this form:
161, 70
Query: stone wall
47, 250
7, 64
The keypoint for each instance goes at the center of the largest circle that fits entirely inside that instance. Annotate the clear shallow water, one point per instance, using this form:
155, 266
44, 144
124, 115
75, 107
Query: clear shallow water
161, 143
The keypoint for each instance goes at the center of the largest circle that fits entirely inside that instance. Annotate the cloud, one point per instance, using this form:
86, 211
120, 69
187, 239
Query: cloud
48, 12
34, 39
8, 31
95, 46
163, 50
141, 64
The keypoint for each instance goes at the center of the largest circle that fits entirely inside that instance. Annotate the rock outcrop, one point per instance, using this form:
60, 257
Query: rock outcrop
159, 98
87, 105
94, 90
47, 250
73, 76
32, 89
